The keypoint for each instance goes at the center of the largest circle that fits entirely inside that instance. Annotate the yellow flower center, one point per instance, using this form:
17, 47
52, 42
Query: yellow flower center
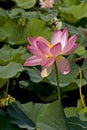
48, 56
47, 3
50, 45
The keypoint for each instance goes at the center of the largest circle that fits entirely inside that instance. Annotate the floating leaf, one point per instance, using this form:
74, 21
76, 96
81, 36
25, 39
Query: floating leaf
26, 4
52, 118
48, 116
3, 16
15, 12
2, 35
14, 32
41, 28
80, 51
10, 70
7, 54
76, 120
20, 118
17, 33
50, 15
68, 3
5, 122
35, 74
69, 14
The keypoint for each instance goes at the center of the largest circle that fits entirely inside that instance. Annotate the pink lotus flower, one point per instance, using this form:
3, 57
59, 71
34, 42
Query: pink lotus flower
46, 3
45, 53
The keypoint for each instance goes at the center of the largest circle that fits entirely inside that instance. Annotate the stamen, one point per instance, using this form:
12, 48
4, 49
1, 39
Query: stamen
50, 45
48, 56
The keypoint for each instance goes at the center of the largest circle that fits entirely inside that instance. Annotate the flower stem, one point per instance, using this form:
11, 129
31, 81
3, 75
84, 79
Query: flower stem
80, 88
57, 81
7, 92
10, 53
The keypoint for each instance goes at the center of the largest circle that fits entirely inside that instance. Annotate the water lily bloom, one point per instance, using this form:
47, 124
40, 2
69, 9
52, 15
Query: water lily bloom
46, 53
46, 3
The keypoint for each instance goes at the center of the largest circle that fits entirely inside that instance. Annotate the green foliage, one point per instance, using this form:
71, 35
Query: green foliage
76, 119
68, 3
48, 15
10, 70
8, 54
40, 114
25, 4
22, 30
19, 117
41, 29
6, 122
65, 79
69, 14
23, 18
10, 28
34, 73
2, 82
3, 16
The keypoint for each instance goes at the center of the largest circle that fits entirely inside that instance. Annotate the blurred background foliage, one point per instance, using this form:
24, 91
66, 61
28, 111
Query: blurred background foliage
18, 20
